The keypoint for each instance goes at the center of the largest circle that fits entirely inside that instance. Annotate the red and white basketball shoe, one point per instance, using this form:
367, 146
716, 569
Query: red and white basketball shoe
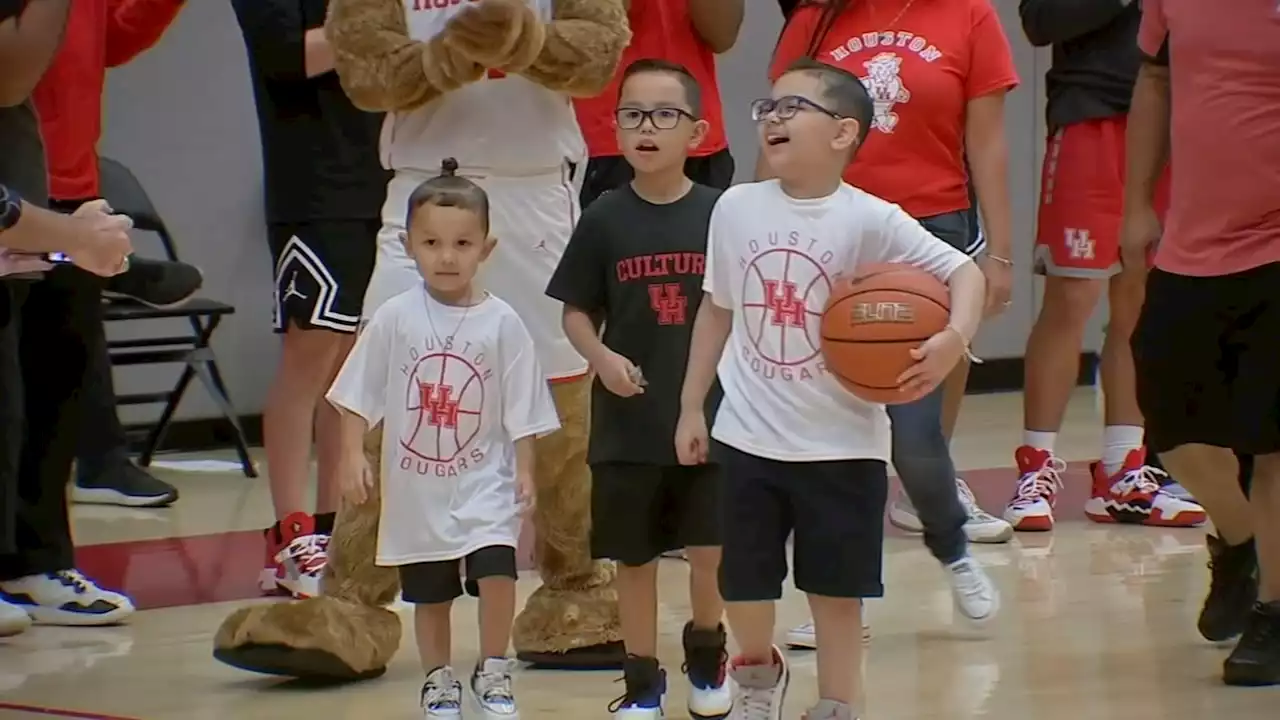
1039, 480
297, 558
1133, 495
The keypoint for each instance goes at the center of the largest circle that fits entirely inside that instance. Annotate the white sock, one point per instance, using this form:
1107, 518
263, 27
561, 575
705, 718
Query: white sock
1117, 442
1039, 440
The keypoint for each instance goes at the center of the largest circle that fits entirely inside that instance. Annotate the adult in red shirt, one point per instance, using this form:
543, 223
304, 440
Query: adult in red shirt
102, 34
938, 72
690, 33
1207, 345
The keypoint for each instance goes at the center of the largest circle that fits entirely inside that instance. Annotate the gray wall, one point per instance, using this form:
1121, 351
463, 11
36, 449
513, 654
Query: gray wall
182, 117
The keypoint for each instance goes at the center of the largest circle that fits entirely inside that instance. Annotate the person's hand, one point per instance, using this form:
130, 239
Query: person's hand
999, 277
357, 480
100, 241
526, 492
1139, 232
692, 441
12, 263
619, 375
935, 359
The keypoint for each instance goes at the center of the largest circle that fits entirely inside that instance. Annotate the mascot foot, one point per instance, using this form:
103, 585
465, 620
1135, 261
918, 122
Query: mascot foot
322, 639
571, 629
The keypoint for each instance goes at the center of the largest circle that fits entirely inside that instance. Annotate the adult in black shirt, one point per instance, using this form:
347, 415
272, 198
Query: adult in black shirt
324, 193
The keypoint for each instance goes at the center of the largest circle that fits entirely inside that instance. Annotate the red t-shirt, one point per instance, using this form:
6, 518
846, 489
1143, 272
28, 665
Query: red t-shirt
921, 70
659, 29
1224, 205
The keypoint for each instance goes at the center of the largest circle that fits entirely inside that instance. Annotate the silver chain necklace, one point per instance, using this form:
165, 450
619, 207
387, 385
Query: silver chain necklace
440, 344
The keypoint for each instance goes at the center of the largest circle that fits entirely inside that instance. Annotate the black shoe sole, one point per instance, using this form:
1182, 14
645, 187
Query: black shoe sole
1250, 675
313, 666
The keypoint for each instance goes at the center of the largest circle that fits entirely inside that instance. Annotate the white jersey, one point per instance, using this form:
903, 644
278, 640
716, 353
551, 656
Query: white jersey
453, 388
771, 260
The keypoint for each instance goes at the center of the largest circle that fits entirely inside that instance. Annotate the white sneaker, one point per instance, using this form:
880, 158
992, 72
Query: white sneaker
975, 596
756, 695
441, 697
491, 692
980, 527
1039, 480
803, 637
66, 598
13, 619
303, 559
829, 710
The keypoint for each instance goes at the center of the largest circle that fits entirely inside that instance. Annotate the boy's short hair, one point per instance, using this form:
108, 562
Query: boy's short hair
449, 190
692, 90
845, 93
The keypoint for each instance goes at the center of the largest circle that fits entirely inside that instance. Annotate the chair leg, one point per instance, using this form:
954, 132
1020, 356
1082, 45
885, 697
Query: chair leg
161, 426
212, 378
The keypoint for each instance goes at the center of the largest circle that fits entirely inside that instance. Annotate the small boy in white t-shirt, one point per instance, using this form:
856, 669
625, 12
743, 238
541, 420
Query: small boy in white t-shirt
798, 453
449, 370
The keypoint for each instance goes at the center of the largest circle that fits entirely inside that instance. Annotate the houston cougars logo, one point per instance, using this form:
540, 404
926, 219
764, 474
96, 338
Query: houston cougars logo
884, 84
444, 409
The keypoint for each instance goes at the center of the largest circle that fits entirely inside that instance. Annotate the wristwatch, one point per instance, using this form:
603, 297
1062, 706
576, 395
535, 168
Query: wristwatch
10, 208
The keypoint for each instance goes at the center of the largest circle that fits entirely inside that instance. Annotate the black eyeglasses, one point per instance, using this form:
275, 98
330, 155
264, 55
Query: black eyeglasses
663, 118
786, 108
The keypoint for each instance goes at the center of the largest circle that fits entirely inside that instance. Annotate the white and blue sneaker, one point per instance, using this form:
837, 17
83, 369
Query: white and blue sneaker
646, 685
441, 697
491, 691
66, 597
13, 619
706, 662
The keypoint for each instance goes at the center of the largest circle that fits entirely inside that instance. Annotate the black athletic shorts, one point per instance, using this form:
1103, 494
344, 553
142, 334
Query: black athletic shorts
834, 508
639, 512
322, 269
1207, 357
611, 172
438, 582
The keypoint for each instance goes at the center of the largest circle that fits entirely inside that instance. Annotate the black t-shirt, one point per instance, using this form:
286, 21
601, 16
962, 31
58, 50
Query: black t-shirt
319, 152
639, 267
22, 165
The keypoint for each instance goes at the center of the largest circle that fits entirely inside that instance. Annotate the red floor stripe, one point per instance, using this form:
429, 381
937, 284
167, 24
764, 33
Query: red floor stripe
55, 712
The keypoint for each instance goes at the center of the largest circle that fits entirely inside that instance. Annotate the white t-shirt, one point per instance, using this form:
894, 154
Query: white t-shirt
771, 259
453, 387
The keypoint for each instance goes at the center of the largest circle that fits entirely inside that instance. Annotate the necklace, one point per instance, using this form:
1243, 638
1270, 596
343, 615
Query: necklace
896, 18
440, 343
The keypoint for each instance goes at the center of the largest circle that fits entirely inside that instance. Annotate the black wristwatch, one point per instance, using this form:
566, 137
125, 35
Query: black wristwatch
10, 208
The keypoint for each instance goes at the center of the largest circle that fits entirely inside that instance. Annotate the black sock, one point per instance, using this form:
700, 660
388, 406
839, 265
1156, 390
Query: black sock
325, 522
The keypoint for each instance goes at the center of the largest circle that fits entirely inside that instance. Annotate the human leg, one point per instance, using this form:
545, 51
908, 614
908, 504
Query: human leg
13, 619
491, 575
432, 587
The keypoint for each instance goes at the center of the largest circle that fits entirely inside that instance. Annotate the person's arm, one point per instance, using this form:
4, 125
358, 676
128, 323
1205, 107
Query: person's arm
988, 153
1147, 134
583, 48
28, 42
134, 26
714, 320
578, 282
1046, 22
717, 22
281, 43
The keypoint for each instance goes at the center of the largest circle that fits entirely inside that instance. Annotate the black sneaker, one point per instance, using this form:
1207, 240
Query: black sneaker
157, 283
1233, 589
1256, 659
706, 660
125, 484
646, 685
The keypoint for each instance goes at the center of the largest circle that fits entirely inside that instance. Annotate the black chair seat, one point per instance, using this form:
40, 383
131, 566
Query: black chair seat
134, 310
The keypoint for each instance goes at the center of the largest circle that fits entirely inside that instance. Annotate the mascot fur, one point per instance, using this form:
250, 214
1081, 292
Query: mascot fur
348, 632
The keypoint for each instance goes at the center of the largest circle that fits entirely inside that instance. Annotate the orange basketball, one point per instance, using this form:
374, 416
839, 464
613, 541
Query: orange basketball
872, 321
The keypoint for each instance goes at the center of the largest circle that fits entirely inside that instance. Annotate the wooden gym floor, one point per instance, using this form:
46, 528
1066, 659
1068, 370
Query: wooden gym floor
1097, 622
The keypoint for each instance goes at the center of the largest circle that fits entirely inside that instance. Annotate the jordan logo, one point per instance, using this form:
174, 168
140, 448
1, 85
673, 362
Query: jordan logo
292, 289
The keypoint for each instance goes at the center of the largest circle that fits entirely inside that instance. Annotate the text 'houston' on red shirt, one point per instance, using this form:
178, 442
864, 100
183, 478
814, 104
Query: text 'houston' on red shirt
921, 70
659, 29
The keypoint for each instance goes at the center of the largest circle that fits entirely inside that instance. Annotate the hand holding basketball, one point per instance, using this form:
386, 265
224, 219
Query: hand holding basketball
357, 480
526, 492
692, 441
619, 375
935, 359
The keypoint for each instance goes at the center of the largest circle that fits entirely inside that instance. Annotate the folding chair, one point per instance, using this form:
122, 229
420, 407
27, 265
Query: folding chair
126, 195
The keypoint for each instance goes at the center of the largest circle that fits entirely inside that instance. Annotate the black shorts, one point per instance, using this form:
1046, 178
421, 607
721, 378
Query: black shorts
959, 229
611, 172
322, 269
429, 583
639, 512
1207, 356
834, 508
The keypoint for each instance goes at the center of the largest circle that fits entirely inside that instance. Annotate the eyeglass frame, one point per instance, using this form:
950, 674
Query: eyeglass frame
680, 114
799, 103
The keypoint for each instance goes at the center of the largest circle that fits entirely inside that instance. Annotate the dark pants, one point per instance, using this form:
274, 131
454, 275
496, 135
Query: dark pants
103, 441
43, 355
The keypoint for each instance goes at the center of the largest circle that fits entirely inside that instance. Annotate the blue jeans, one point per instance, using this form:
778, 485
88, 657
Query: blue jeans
922, 458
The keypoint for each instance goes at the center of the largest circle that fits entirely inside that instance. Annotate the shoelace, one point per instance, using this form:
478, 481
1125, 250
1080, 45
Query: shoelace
970, 503
442, 692
494, 687
756, 704
309, 552
968, 580
74, 580
624, 699
1146, 479
1040, 484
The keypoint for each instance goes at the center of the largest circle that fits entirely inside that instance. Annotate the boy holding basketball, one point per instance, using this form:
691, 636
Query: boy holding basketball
799, 453
635, 262
450, 372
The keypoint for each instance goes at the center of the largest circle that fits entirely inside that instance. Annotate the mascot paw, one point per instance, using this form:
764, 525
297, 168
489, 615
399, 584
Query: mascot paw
500, 34
322, 639
447, 68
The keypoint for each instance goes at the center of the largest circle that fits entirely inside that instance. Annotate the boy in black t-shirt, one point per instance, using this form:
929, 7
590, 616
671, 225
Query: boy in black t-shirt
635, 263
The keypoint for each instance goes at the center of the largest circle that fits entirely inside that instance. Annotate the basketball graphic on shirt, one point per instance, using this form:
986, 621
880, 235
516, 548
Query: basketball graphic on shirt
884, 84
444, 400
783, 293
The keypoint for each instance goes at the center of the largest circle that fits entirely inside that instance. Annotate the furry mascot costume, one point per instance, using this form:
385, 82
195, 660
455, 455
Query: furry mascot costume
487, 82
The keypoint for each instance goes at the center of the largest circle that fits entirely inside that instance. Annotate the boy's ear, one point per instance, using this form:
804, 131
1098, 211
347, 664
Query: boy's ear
490, 243
700, 130
847, 137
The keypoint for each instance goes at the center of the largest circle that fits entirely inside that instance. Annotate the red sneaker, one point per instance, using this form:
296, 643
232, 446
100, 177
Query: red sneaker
1133, 495
303, 557
1039, 479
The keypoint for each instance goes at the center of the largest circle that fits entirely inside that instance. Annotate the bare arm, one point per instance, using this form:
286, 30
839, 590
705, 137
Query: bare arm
1046, 22
1147, 136
583, 334
41, 231
717, 22
968, 289
988, 154
27, 46
525, 456
351, 431
317, 53
710, 333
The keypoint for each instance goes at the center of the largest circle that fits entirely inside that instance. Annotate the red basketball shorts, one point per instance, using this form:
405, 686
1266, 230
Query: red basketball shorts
1082, 200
